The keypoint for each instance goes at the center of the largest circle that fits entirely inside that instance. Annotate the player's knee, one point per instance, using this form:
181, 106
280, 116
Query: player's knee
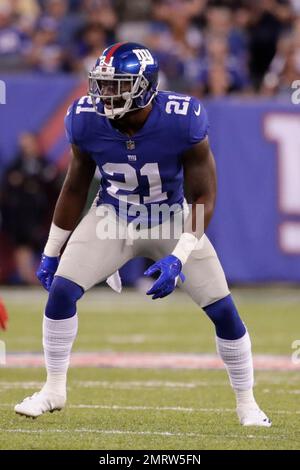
62, 298
226, 319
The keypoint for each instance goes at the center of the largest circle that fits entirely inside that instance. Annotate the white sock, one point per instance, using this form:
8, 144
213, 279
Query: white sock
58, 338
237, 357
245, 398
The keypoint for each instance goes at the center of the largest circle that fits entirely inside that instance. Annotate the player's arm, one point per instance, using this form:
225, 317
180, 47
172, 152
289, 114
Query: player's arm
200, 191
68, 210
200, 180
73, 195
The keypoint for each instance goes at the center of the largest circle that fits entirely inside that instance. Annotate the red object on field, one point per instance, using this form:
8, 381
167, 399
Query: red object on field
3, 316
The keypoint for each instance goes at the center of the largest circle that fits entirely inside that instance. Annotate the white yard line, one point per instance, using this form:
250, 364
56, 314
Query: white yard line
5, 385
142, 384
143, 433
139, 384
157, 408
118, 385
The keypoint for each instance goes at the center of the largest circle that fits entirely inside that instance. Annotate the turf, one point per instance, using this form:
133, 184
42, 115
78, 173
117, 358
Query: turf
149, 408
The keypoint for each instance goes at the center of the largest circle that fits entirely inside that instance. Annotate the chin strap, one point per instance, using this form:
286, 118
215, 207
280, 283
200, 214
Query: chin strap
112, 114
118, 112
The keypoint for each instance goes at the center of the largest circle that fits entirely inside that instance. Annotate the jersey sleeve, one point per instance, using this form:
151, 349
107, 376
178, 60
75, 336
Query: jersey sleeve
69, 125
76, 125
199, 124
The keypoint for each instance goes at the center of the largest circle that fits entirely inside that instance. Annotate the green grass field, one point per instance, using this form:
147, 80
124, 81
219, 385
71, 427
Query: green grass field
140, 408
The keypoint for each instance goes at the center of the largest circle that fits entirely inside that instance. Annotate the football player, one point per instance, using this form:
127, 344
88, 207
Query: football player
151, 147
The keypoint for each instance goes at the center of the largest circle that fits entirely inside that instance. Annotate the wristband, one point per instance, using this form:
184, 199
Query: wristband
57, 238
186, 244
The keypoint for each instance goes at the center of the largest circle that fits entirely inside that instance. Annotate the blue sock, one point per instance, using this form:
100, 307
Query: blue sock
62, 299
226, 319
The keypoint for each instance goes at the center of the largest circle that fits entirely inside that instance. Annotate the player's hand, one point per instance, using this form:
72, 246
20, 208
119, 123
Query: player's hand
46, 270
3, 316
170, 268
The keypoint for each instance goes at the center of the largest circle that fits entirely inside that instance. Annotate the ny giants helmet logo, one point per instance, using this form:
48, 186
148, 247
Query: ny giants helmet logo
143, 55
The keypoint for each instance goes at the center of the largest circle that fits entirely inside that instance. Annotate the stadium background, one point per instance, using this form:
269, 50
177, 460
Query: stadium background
241, 58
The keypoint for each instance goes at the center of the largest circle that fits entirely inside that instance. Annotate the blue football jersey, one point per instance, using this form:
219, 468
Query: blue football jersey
147, 167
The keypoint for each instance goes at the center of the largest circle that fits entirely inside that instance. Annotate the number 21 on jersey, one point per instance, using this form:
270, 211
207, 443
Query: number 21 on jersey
130, 183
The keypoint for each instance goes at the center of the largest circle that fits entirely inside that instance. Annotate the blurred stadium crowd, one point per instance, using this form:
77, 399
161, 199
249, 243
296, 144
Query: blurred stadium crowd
206, 48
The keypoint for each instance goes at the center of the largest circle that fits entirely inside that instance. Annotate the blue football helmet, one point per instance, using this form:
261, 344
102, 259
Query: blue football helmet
124, 79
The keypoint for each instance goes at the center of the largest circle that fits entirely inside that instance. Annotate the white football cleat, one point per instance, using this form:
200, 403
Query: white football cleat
39, 403
253, 416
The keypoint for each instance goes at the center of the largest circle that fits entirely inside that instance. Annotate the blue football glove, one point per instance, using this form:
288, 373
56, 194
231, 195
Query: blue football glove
169, 267
46, 270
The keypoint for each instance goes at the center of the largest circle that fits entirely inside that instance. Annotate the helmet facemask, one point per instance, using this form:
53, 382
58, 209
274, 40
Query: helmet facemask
116, 91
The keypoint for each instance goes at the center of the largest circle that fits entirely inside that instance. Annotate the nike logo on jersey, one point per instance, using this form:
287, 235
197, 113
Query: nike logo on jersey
198, 110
